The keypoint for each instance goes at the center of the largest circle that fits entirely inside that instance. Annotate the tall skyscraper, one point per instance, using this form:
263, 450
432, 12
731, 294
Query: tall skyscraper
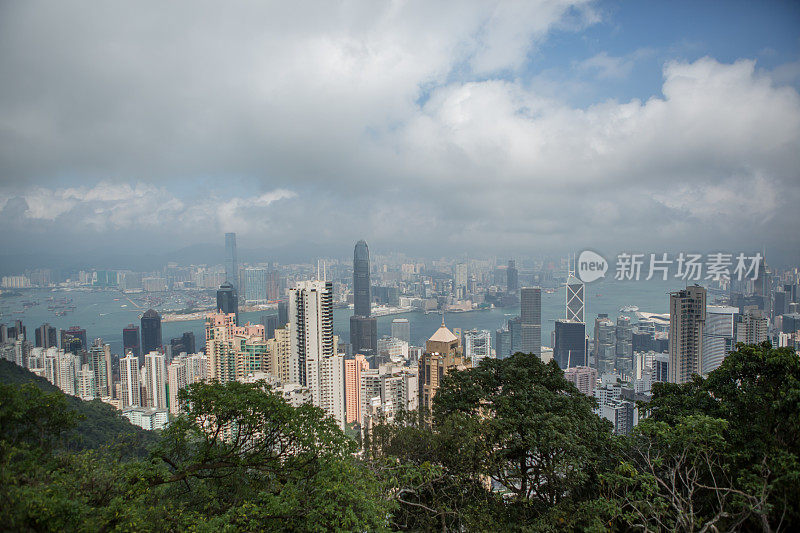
151, 331
73, 340
100, 365
130, 340
401, 329
477, 345
687, 316
155, 380
512, 277
177, 379
270, 323
752, 328
311, 327
352, 384
228, 300
531, 320
231, 261
129, 381
233, 352
604, 344
283, 313
279, 347
570, 346
575, 302
255, 285
361, 284
46, 336
363, 328
718, 336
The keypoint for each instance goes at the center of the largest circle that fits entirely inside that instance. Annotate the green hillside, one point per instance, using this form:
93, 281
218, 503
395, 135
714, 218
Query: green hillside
99, 424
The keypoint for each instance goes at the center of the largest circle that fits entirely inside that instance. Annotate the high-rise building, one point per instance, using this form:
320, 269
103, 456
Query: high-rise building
570, 344
531, 320
151, 331
401, 329
443, 354
477, 345
283, 313
233, 352
604, 344
576, 298
311, 327
718, 336
155, 380
512, 277
363, 328
460, 276
100, 365
273, 285
515, 330
352, 384
279, 347
73, 340
130, 340
752, 327
231, 261
129, 381
270, 323
228, 300
583, 377
177, 379
502, 343
46, 336
687, 316
183, 344
255, 285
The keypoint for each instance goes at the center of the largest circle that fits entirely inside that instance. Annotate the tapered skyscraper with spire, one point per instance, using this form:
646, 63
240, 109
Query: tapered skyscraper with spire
363, 327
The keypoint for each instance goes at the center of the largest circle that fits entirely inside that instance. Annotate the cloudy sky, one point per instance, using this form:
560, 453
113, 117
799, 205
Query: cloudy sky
460, 127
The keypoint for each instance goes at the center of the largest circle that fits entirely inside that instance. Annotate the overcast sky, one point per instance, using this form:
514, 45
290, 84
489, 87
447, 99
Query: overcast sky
461, 127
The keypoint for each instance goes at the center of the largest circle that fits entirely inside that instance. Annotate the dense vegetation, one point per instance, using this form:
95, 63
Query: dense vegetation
510, 445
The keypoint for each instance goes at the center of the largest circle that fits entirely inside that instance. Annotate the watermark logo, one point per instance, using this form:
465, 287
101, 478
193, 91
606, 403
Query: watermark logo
591, 266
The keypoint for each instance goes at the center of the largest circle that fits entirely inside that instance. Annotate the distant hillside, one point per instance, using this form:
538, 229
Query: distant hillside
101, 424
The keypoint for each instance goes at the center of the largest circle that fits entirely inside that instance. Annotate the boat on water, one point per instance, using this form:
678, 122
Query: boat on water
628, 309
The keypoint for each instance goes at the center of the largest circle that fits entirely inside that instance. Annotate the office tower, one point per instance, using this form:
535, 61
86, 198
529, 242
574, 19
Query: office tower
477, 345
255, 285
46, 336
155, 380
531, 320
151, 331
273, 285
752, 327
279, 347
687, 316
570, 344
100, 365
22, 332
512, 277
177, 380
283, 313
183, 344
129, 381
363, 328
780, 302
130, 340
231, 262
718, 336
270, 323
443, 354
575, 300
233, 352
352, 385
311, 331
361, 284
624, 338
73, 340
515, 330
228, 300
401, 329
502, 343
661, 367
604, 344
583, 377
460, 276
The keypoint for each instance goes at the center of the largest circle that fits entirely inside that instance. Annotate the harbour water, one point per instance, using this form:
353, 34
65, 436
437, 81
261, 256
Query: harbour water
104, 313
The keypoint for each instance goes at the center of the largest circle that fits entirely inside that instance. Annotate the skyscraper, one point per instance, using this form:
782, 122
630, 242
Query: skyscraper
233, 352
363, 328
231, 261
575, 303
73, 340
352, 372
570, 346
129, 381
151, 331
100, 365
531, 320
155, 380
46, 336
130, 340
443, 354
718, 336
512, 277
401, 329
228, 300
687, 316
255, 285
477, 345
